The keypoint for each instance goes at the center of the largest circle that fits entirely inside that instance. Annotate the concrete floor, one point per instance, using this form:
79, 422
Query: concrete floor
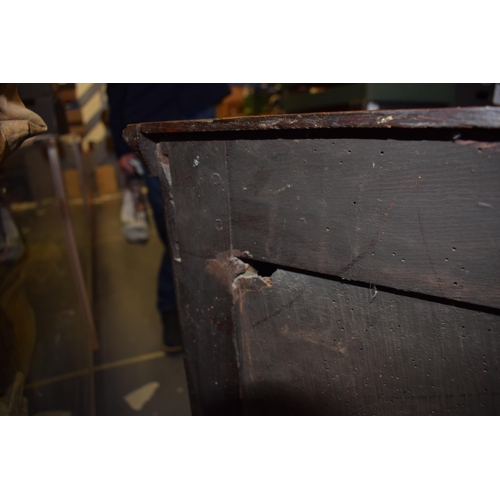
40, 295
128, 325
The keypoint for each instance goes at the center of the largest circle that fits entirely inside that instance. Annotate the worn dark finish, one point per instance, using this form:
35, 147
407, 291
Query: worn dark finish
311, 345
352, 271
448, 118
196, 195
395, 213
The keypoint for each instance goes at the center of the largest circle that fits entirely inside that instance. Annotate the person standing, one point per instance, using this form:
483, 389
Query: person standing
150, 102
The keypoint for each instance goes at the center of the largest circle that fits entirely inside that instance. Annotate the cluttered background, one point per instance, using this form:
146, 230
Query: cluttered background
79, 330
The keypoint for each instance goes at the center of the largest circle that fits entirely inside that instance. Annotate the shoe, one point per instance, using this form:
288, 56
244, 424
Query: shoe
172, 337
133, 215
172, 349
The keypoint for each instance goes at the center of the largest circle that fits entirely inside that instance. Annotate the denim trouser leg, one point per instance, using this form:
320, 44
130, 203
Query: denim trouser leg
166, 294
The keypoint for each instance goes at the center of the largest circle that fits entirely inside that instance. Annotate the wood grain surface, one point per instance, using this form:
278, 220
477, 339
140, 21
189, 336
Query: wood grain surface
313, 346
414, 215
197, 184
467, 118
335, 263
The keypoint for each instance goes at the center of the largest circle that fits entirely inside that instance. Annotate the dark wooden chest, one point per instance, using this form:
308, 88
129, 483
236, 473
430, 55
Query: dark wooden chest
336, 263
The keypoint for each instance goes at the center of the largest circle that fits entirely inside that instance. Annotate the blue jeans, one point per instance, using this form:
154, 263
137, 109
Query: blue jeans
166, 294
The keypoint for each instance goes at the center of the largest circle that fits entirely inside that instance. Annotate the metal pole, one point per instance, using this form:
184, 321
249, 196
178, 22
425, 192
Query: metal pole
55, 166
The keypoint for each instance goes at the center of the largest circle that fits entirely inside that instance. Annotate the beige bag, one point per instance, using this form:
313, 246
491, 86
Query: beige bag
17, 123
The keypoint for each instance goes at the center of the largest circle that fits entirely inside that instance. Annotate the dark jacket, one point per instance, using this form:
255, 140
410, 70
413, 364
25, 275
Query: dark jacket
150, 102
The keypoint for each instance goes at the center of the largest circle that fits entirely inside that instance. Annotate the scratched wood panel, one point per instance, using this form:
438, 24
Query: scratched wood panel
414, 215
195, 178
374, 206
314, 346
464, 118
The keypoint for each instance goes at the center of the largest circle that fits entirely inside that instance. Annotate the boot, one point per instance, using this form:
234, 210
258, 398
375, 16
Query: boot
172, 338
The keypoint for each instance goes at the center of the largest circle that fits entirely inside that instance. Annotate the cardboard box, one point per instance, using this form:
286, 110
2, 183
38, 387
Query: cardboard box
72, 183
105, 176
